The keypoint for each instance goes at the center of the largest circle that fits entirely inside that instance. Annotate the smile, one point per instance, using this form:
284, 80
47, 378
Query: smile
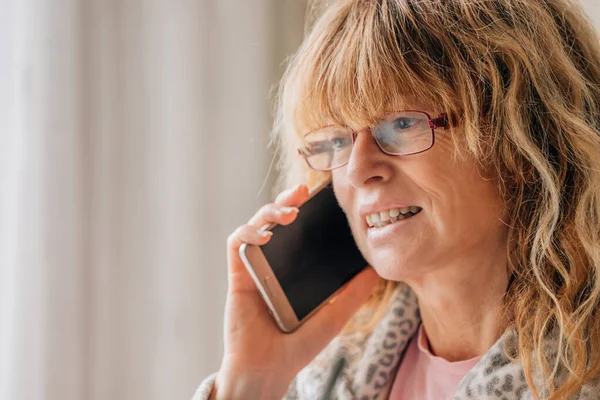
383, 218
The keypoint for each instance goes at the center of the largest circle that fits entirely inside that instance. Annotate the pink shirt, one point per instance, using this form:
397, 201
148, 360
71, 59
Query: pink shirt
424, 376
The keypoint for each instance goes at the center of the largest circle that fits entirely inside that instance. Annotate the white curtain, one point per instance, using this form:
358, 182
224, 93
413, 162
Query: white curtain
134, 139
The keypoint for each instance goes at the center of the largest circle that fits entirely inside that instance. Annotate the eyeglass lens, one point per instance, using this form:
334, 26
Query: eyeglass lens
396, 134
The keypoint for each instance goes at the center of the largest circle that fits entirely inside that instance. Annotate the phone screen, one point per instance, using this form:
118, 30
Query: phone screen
315, 255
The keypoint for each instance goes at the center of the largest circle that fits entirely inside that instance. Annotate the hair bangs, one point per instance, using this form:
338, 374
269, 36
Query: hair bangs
357, 68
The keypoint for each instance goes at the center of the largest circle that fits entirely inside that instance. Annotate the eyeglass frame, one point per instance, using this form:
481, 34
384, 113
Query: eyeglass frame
441, 121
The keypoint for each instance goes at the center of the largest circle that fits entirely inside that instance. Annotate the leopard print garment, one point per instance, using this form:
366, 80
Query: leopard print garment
372, 360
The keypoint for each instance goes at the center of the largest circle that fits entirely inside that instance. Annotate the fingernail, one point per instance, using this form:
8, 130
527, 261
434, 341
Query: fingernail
289, 210
265, 233
333, 300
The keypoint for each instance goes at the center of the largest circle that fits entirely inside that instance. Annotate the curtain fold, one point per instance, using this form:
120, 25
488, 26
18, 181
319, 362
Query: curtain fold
134, 142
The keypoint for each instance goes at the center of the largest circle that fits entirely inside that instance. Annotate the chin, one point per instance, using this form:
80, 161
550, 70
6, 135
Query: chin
397, 270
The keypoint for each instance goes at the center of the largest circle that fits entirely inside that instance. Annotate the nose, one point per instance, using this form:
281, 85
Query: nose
367, 163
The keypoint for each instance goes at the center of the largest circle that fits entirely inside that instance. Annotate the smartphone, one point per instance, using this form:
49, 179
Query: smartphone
305, 263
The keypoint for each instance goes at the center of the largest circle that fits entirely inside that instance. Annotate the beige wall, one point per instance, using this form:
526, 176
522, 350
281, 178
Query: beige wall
593, 9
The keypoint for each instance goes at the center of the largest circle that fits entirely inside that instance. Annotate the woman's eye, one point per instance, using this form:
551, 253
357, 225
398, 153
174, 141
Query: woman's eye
340, 142
404, 123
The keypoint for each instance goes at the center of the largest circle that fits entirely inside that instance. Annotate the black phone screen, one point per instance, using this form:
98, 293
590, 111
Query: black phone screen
315, 255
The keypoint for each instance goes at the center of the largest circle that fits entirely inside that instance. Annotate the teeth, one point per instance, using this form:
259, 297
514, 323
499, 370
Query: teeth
382, 218
384, 215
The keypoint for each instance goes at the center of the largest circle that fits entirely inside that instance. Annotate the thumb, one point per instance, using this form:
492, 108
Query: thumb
331, 318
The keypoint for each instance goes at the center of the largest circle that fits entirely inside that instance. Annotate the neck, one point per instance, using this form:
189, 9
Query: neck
461, 305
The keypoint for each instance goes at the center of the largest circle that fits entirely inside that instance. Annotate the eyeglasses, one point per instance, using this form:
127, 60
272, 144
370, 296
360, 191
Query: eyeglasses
397, 134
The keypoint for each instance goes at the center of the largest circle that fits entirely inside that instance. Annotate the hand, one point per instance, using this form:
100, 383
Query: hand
260, 361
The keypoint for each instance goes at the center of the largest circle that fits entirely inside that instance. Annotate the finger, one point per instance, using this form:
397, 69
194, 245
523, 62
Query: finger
249, 234
294, 196
331, 318
273, 214
238, 278
291, 197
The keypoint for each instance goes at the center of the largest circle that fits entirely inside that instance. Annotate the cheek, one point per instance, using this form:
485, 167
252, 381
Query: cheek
460, 198
467, 205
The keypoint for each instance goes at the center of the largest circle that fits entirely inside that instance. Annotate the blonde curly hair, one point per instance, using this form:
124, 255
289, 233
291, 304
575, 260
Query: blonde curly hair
523, 79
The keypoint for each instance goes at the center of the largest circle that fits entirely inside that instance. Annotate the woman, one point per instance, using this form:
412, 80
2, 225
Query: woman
492, 289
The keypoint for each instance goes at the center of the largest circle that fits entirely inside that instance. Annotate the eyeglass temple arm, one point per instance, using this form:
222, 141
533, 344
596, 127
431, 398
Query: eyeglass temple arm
441, 122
